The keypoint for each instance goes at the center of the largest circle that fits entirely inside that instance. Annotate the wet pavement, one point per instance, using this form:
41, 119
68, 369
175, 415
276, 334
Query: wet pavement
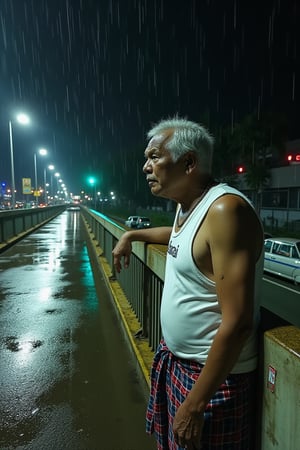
68, 379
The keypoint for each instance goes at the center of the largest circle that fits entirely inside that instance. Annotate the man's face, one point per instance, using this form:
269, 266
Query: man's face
162, 172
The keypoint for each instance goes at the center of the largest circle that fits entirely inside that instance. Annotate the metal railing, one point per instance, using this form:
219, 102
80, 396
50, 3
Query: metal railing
143, 281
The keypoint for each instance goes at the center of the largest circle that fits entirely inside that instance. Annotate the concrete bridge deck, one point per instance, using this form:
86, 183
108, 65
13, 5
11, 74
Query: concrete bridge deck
68, 377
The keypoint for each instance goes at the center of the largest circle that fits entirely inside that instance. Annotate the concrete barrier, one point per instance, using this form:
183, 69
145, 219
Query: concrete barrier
281, 389
15, 224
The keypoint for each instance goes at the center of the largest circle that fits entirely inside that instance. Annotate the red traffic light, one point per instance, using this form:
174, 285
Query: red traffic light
293, 158
241, 169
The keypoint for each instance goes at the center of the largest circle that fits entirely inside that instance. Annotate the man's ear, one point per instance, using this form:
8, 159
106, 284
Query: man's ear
189, 162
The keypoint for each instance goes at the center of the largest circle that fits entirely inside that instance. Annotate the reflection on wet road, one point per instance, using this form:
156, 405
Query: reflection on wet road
68, 380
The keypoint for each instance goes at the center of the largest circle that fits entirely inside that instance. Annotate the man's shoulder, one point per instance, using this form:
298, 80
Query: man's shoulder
230, 202
233, 213
222, 193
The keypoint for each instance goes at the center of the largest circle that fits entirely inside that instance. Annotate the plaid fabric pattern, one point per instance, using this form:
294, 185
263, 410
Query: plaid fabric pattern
228, 415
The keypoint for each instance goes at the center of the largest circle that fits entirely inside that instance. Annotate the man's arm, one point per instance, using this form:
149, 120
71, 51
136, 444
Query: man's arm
235, 242
123, 249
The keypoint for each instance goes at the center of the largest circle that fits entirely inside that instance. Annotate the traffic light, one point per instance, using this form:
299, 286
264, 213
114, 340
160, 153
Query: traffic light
293, 158
240, 169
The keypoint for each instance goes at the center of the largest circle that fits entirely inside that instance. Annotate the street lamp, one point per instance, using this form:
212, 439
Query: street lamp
42, 152
23, 119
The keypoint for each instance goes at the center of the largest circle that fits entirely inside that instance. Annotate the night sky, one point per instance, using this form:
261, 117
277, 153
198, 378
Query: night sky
95, 75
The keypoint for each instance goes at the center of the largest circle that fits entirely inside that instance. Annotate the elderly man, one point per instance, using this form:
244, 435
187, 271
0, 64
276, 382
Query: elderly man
203, 372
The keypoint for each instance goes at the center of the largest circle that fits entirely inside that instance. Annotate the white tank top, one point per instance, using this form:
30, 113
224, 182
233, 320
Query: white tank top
190, 312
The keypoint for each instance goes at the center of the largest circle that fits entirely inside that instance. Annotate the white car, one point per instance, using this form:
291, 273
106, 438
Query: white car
131, 221
282, 257
138, 222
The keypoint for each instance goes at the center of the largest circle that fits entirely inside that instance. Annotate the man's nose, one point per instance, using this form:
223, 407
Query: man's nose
147, 166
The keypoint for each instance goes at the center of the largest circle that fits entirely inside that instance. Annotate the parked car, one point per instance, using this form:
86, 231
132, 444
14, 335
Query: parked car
138, 222
143, 222
131, 221
282, 257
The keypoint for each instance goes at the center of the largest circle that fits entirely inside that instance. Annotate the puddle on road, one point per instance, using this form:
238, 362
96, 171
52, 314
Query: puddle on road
54, 311
11, 343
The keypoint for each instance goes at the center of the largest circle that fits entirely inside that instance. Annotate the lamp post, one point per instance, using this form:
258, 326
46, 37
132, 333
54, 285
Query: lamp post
57, 175
24, 120
51, 168
45, 186
42, 152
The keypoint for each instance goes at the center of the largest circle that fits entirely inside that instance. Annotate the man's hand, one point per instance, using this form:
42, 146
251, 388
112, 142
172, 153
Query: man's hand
122, 249
187, 428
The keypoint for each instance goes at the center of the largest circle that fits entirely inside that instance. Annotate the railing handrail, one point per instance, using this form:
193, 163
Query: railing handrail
143, 281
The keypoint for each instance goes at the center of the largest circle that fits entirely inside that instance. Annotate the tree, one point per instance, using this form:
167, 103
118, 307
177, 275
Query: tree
257, 176
255, 144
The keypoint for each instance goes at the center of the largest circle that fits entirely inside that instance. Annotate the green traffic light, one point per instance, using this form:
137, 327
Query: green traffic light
92, 180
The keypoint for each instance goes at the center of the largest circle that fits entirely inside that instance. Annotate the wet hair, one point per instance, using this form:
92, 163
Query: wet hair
188, 136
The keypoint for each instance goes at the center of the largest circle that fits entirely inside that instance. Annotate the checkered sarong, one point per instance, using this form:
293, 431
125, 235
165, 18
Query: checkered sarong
228, 416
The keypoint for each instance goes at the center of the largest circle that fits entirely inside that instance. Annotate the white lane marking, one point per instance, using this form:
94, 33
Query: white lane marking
282, 286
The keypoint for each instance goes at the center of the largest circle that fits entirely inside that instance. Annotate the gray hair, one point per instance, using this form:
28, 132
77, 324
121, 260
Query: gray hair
187, 137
